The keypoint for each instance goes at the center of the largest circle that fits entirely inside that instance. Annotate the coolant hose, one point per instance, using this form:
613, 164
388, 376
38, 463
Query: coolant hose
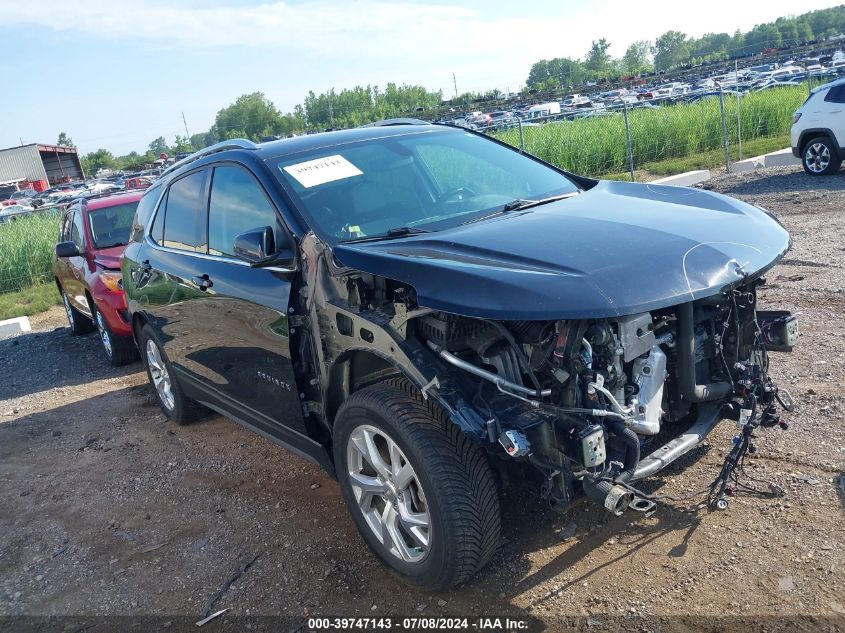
613, 497
685, 346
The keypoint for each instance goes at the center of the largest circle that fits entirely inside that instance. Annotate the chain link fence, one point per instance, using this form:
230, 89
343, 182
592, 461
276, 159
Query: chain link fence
641, 140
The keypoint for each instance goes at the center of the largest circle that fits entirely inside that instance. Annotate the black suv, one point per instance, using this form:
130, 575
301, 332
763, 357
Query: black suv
425, 312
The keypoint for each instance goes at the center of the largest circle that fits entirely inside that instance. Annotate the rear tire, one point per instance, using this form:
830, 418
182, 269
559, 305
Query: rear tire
120, 350
172, 400
820, 157
450, 488
79, 323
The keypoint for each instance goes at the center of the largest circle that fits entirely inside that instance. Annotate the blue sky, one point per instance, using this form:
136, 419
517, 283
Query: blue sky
117, 74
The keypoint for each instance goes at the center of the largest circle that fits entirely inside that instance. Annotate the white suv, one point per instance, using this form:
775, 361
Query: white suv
818, 129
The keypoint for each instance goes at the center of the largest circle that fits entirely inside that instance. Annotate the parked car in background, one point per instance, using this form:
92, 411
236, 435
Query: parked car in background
502, 119
137, 182
92, 236
418, 307
543, 110
12, 212
29, 195
818, 129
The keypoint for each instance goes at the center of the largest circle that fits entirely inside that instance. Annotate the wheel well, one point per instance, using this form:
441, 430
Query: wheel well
138, 321
809, 135
91, 305
352, 372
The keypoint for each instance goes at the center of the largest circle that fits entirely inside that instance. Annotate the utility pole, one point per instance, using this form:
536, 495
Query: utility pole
455, 83
188, 134
331, 111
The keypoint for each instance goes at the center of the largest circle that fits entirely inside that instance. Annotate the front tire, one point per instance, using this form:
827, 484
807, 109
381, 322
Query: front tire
420, 492
79, 323
172, 400
120, 350
820, 157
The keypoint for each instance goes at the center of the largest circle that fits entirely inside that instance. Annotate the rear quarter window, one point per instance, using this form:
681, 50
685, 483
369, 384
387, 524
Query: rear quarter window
836, 94
143, 213
186, 219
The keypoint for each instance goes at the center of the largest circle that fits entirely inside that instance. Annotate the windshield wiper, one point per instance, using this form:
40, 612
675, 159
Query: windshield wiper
522, 203
398, 231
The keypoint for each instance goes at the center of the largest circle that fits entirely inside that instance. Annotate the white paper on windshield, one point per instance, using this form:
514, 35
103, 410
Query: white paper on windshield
322, 170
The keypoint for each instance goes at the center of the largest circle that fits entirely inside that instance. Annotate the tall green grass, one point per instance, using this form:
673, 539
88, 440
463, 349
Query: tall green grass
26, 250
596, 146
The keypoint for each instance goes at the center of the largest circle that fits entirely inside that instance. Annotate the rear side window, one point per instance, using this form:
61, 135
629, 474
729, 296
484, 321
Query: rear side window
142, 215
836, 94
76, 232
237, 205
185, 217
157, 229
64, 230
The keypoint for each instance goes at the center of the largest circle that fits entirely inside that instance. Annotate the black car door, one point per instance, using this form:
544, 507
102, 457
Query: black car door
247, 349
224, 324
172, 295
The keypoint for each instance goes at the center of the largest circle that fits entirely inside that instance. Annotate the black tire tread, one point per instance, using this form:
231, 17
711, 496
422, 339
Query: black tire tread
122, 347
81, 323
463, 473
835, 158
185, 410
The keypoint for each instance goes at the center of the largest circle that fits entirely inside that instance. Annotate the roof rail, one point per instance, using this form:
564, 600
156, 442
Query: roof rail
235, 143
399, 121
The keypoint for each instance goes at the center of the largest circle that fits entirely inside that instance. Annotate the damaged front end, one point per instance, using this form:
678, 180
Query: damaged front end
583, 400
580, 366
579, 406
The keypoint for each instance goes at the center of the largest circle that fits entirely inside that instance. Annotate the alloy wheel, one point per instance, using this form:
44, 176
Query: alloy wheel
160, 375
388, 493
104, 333
817, 157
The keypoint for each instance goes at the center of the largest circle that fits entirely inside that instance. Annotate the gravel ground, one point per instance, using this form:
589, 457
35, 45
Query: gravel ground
108, 509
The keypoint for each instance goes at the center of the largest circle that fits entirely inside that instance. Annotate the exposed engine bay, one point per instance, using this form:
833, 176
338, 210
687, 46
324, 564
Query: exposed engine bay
581, 399
583, 406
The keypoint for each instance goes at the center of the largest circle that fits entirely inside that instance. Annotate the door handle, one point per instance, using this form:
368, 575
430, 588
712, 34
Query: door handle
203, 282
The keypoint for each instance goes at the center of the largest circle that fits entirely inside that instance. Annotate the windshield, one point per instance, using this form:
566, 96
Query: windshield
427, 181
110, 226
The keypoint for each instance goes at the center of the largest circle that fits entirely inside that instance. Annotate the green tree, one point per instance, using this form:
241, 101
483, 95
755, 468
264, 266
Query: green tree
555, 73
158, 147
182, 144
64, 140
101, 159
670, 50
637, 58
805, 31
788, 30
203, 139
597, 60
251, 116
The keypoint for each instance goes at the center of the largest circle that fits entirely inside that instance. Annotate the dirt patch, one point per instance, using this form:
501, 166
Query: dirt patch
107, 508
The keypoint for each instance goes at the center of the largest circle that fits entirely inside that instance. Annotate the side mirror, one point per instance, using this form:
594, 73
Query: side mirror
67, 249
258, 248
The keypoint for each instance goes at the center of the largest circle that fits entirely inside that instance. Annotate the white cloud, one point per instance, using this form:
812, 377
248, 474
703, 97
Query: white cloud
420, 39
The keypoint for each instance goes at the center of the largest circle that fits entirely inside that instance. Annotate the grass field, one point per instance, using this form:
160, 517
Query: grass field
29, 301
597, 146
26, 251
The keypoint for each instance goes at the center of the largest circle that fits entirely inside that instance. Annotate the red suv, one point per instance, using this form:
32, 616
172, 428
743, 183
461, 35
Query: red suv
92, 237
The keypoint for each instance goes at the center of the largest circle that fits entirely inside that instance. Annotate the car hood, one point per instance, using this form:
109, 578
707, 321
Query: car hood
109, 257
617, 249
